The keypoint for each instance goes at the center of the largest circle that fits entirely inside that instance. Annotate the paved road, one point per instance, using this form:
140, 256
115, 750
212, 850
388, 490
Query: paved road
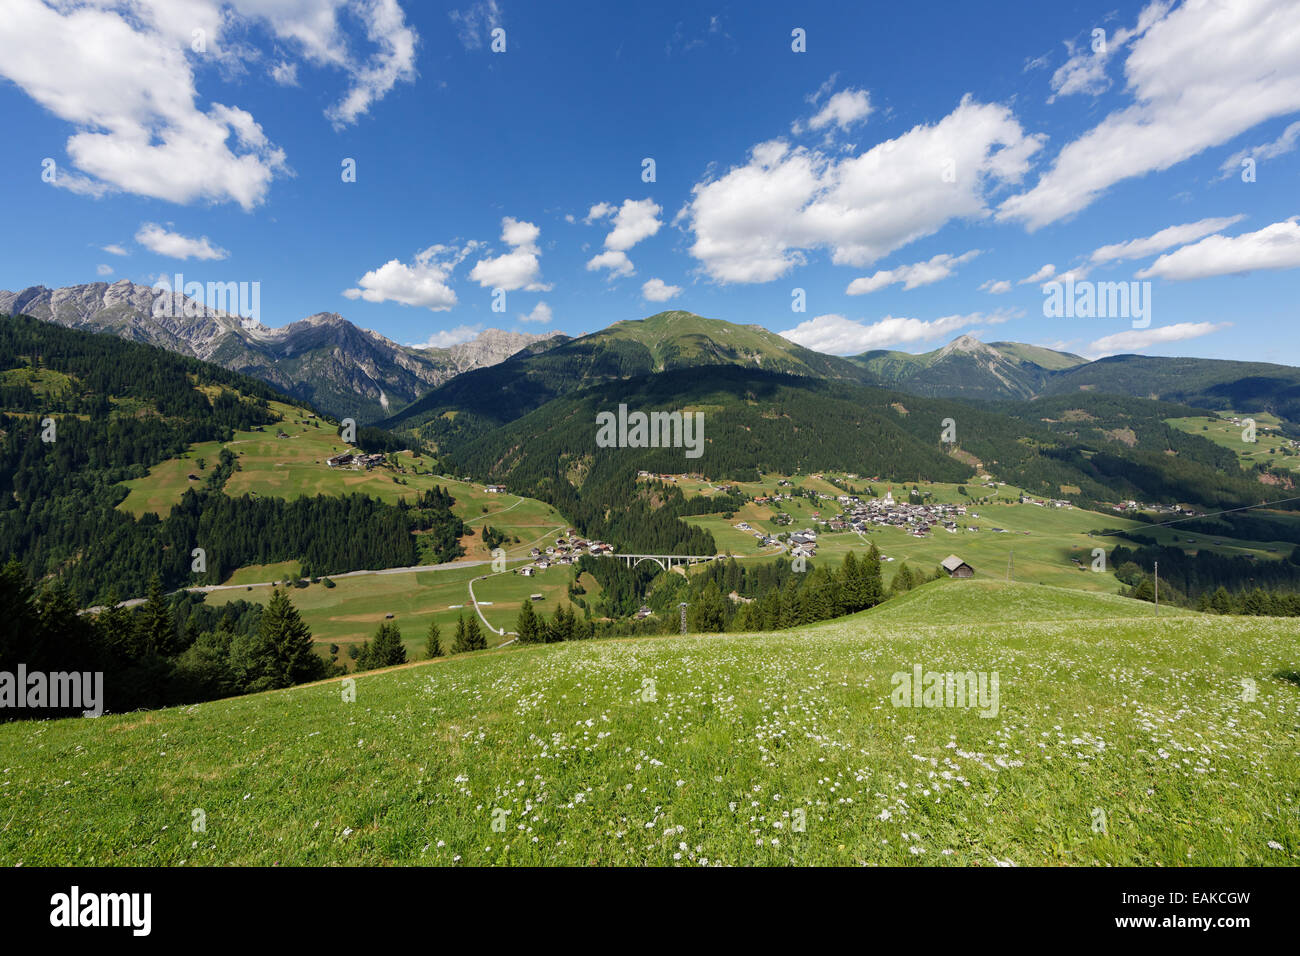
210, 588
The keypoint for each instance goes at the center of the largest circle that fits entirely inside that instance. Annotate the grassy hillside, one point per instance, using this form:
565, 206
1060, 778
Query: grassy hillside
471, 404
1206, 383
672, 751
968, 368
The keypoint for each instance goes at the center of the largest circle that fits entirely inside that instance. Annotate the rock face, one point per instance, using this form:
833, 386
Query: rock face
342, 369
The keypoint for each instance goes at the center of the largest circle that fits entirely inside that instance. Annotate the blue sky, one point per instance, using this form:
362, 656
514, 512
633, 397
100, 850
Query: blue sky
909, 170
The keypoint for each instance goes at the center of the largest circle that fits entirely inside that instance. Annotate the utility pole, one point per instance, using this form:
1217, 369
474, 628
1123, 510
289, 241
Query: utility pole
1157, 574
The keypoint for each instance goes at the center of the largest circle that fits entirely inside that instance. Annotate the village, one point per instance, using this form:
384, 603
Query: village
354, 460
566, 550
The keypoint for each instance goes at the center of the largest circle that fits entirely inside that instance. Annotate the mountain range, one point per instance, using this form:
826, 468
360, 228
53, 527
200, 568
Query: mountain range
323, 359
451, 396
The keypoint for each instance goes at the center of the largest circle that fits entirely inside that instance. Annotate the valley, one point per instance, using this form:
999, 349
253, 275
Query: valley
456, 511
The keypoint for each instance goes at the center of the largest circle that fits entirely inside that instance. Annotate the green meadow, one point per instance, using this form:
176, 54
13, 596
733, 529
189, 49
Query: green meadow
1265, 450
1116, 739
352, 610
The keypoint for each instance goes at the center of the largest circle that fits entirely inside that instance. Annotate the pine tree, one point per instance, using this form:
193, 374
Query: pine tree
386, 650
903, 580
474, 638
155, 626
527, 625
853, 584
875, 586
283, 629
708, 615
433, 643
459, 645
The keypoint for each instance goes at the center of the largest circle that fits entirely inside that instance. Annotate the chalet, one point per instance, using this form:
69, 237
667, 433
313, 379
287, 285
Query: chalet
534, 597
338, 461
370, 461
956, 567
495, 489
526, 572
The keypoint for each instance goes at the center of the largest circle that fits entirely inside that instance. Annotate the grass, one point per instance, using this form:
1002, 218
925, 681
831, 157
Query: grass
294, 466
1041, 543
685, 751
353, 609
1266, 449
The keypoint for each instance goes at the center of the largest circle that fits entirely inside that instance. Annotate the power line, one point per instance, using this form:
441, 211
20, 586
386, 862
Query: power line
1213, 514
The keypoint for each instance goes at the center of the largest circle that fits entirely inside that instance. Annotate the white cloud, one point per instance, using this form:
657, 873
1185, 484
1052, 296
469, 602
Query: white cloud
1145, 338
371, 80
116, 250
475, 24
918, 274
520, 268
1164, 239
838, 335
122, 73
104, 270
1085, 70
1279, 147
285, 73
758, 221
995, 286
634, 221
424, 283
616, 261
656, 290
1042, 275
1274, 247
845, 109
449, 337
1198, 76
172, 244
541, 313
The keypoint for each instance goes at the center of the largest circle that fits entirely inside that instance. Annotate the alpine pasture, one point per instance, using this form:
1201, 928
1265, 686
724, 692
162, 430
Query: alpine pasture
1119, 738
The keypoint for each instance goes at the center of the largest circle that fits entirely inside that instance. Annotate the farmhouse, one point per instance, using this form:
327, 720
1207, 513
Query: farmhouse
495, 489
956, 567
338, 461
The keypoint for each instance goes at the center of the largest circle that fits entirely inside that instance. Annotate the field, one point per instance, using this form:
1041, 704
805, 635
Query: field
1118, 740
1266, 449
1040, 543
353, 609
294, 466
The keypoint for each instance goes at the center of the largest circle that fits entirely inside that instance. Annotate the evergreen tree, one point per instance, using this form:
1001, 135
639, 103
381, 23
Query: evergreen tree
283, 629
385, 650
433, 643
527, 624
708, 614
853, 584
904, 581
459, 645
875, 587
155, 626
474, 637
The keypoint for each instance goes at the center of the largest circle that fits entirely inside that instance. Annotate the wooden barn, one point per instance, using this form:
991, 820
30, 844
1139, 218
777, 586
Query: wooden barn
956, 567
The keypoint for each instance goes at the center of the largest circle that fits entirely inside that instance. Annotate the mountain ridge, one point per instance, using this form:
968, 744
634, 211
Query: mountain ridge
323, 358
